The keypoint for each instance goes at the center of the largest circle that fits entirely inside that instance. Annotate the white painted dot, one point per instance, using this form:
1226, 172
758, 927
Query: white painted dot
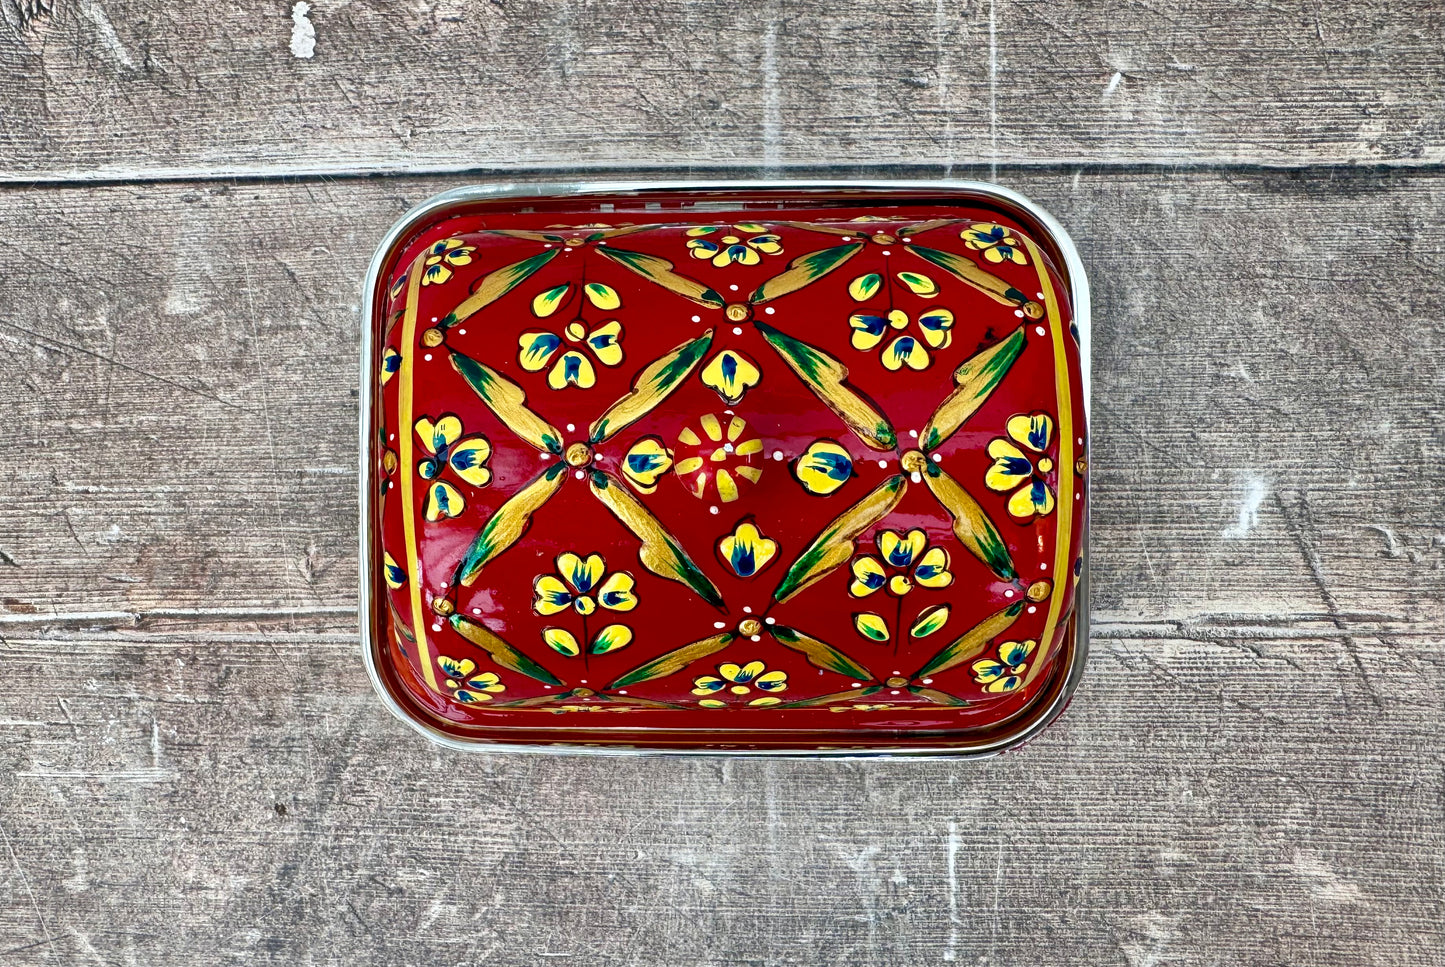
727, 448
756, 638
712, 510
584, 681
566, 250
427, 357
436, 627
476, 611
916, 477
580, 475
886, 252
461, 332
444, 584
897, 672
733, 287
571, 427
737, 330
548, 245
894, 692
1009, 593
1038, 295
1032, 609
857, 684
728, 412
777, 454
883, 464
1081, 441
719, 624
548, 687
1039, 330
771, 621
938, 458
747, 610
1078, 496
546, 456
847, 238
604, 243
622, 691
1042, 567
770, 310
697, 318
913, 433
392, 437
907, 240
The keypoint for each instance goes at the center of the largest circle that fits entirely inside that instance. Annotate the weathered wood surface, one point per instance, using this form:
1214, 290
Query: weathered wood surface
133, 88
195, 771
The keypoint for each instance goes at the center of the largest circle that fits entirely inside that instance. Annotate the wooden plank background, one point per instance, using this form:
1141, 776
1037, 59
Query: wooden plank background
193, 770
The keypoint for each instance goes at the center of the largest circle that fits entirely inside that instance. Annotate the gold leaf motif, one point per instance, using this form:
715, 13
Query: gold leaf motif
837, 542
970, 524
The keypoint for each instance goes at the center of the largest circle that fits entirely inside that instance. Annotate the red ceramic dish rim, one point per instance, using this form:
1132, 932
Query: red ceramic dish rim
992, 741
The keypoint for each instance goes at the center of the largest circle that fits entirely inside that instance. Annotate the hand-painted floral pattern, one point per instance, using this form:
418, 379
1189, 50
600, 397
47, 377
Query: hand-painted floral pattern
1021, 463
442, 256
730, 248
902, 562
740, 680
731, 374
998, 244
935, 325
582, 584
645, 463
1005, 674
447, 448
572, 366
746, 550
824, 467
720, 460
467, 687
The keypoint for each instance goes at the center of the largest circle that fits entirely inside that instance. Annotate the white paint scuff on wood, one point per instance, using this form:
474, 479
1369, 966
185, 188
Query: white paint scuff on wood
303, 32
1255, 490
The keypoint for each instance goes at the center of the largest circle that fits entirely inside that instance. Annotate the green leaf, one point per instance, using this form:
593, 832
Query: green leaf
919, 283
819, 655
497, 284
650, 387
871, 626
967, 270
502, 653
602, 296
510, 521
936, 697
674, 661
804, 270
971, 643
660, 552
970, 524
508, 401
545, 303
929, 620
827, 378
836, 543
820, 700
974, 380
659, 270
863, 288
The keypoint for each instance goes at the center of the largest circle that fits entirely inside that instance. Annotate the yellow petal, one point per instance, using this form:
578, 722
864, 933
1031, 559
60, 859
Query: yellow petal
561, 641
574, 368
1033, 431
616, 593
550, 595
871, 626
932, 570
868, 577
443, 500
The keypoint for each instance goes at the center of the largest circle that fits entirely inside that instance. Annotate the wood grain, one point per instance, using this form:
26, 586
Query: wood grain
125, 89
193, 770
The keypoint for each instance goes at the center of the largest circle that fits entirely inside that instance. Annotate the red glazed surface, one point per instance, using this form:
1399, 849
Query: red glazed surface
469, 650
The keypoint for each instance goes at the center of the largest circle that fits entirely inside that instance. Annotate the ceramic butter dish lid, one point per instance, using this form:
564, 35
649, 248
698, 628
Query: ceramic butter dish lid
747, 468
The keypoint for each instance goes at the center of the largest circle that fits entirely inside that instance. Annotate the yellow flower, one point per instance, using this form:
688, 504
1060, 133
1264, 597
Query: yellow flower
1014, 469
451, 251
901, 554
935, 325
467, 687
746, 550
1006, 674
998, 244
733, 248
572, 367
445, 447
740, 680
572, 586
